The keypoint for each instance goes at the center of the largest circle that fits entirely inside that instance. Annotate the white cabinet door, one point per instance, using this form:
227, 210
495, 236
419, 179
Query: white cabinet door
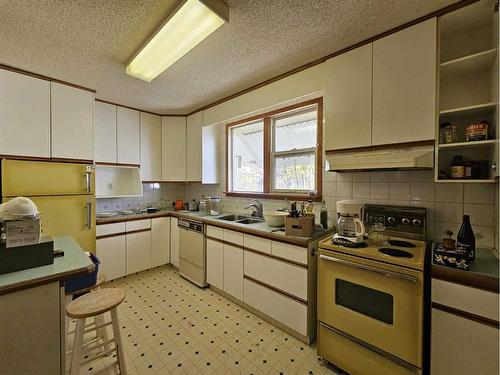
150, 147
173, 149
111, 253
138, 251
128, 136
210, 154
348, 100
233, 271
72, 113
404, 85
160, 241
215, 263
105, 132
174, 242
461, 346
24, 115
193, 147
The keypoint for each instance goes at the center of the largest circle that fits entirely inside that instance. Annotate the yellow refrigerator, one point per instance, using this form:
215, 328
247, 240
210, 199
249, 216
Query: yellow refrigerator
63, 192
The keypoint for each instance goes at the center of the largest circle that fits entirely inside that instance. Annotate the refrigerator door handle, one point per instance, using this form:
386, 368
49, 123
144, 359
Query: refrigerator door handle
88, 211
88, 185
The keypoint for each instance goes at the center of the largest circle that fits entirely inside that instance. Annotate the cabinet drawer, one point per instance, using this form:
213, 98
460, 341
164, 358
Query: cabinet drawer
473, 300
105, 229
257, 243
283, 276
233, 237
215, 232
138, 225
290, 252
284, 309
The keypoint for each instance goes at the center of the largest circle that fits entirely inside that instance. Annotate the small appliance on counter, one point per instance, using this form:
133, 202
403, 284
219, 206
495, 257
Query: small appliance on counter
350, 227
193, 205
20, 243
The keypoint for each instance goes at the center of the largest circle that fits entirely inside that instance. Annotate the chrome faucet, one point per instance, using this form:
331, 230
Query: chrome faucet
257, 205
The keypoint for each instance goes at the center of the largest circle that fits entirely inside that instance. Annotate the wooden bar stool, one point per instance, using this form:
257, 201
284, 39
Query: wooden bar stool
89, 306
98, 320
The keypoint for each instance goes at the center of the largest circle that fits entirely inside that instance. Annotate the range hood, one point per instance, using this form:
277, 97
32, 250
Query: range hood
389, 158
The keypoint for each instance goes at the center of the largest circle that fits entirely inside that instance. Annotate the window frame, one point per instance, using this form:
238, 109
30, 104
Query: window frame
269, 154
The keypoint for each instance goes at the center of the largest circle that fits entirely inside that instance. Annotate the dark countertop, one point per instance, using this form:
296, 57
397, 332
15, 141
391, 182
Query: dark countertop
483, 272
258, 229
74, 262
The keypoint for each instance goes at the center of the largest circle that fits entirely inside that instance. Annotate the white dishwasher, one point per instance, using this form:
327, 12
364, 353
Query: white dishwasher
192, 256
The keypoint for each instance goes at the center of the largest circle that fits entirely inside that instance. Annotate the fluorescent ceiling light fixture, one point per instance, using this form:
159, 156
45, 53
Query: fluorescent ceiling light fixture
190, 23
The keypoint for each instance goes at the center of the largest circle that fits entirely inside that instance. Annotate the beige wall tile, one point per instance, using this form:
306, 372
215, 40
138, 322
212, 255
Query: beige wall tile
399, 191
479, 193
449, 212
422, 191
449, 192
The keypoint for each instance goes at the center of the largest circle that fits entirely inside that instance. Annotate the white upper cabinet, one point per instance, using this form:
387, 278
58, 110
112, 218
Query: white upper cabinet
210, 154
173, 148
150, 147
105, 132
193, 146
348, 104
404, 85
24, 115
128, 136
72, 112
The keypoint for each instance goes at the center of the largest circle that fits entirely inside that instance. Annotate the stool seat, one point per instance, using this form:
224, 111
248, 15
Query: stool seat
95, 303
101, 278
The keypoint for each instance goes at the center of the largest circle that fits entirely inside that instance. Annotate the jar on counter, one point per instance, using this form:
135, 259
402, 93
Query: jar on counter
378, 235
457, 167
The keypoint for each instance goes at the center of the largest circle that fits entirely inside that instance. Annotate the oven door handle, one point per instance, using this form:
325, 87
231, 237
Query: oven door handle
387, 273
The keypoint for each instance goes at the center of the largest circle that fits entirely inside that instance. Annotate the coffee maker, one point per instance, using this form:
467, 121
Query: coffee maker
350, 227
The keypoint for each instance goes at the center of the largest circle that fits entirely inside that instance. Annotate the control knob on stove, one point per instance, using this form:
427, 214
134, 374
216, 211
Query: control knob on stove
405, 221
417, 222
391, 220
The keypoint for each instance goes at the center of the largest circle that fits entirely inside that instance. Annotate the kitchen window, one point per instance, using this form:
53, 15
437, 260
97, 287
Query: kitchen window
277, 154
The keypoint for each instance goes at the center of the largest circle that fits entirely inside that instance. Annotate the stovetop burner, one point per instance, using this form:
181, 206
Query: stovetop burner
400, 243
347, 243
395, 252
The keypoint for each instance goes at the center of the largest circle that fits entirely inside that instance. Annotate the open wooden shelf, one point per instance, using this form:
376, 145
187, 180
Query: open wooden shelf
475, 63
483, 109
468, 145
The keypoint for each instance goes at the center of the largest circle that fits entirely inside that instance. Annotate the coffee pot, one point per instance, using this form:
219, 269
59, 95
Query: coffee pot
350, 227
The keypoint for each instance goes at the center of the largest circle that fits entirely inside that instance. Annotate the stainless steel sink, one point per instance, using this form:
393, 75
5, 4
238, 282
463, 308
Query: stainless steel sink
234, 217
251, 220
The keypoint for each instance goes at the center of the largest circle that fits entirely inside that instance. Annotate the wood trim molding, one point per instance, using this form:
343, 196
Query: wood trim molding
45, 78
387, 146
133, 108
467, 315
116, 164
314, 198
281, 259
468, 278
280, 291
46, 159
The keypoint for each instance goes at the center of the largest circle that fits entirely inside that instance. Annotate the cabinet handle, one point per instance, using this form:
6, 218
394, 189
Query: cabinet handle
364, 267
88, 212
88, 179
314, 252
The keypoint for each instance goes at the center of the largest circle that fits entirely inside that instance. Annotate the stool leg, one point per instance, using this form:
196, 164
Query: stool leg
102, 332
68, 299
77, 347
118, 341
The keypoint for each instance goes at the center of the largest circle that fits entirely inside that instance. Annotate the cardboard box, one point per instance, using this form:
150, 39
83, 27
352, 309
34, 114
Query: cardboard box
301, 227
22, 232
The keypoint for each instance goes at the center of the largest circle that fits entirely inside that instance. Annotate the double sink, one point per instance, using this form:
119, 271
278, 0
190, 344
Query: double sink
241, 219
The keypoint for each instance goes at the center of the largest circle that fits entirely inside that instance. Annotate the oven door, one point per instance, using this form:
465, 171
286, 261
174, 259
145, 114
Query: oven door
377, 303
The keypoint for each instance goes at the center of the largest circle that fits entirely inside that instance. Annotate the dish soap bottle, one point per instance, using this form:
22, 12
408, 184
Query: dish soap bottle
323, 215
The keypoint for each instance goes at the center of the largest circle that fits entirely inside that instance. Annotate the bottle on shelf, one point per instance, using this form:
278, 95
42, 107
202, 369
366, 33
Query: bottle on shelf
466, 241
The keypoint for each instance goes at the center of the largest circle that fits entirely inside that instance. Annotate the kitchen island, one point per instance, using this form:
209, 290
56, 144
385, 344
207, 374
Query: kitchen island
32, 312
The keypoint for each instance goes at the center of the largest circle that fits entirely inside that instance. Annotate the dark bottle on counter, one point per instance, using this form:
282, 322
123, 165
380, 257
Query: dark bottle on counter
466, 241
324, 215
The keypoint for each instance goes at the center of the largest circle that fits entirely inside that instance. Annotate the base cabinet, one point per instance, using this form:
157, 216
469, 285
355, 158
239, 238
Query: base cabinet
160, 241
112, 254
461, 346
138, 251
174, 242
233, 271
215, 263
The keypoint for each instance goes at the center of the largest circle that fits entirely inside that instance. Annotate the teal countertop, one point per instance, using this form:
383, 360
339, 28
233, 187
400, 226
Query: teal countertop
74, 262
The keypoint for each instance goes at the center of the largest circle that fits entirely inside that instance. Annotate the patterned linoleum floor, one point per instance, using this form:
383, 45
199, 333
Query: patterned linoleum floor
170, 326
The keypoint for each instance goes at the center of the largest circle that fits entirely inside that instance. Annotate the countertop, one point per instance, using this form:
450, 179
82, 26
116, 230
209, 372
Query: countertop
258, 229
74, 262
483, 272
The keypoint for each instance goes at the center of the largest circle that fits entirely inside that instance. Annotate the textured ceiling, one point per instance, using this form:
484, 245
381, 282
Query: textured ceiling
89, 42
